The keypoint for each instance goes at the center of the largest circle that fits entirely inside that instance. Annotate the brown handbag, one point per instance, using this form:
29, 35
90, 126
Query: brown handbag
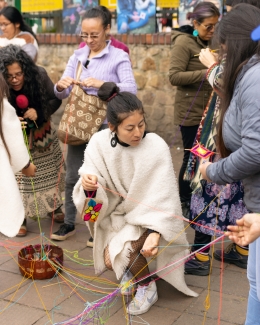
83, 115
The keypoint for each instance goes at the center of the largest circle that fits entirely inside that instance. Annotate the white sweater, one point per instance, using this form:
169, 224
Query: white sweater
145, 174
11, 205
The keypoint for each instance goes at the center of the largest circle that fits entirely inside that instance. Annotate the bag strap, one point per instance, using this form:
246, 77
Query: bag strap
79, 69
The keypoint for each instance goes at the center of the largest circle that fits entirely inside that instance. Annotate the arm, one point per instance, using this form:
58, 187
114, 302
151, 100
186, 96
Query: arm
125, 75
180, 57
245, 161
68, 75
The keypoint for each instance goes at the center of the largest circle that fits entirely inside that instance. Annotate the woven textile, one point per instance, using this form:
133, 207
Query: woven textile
48, 182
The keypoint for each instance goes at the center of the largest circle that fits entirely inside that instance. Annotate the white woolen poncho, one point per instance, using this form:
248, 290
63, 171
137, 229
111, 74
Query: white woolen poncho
145, 174
11, 205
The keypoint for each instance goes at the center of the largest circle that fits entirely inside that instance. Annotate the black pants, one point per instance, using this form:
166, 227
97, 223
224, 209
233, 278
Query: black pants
201, 240
188, 135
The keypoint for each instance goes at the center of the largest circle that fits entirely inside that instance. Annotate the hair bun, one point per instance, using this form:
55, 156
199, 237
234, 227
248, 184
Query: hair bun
107, 91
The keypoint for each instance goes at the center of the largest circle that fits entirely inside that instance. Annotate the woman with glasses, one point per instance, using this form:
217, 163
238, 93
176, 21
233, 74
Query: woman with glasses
100, 62
15, 31
193, 91
32, 95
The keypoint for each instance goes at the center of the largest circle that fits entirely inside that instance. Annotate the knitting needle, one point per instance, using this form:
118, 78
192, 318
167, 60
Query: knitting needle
196, 55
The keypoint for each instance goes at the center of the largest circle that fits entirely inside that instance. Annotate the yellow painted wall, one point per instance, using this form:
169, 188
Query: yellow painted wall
41, 5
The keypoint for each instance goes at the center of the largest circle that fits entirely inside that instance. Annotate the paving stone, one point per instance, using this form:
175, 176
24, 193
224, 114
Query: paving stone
155, 316
198, 320
233, 308
10, 282
15, 314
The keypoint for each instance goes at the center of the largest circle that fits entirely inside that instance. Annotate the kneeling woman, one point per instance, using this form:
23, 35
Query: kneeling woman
137, 165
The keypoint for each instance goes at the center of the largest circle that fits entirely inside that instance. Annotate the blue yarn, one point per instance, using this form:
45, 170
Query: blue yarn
195, 33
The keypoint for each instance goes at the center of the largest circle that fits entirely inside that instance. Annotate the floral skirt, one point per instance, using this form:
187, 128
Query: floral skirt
218, 213
42, 194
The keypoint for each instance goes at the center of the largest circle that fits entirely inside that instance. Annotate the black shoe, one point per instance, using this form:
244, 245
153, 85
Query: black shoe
196, 267
64, 232
90, 242
232, 256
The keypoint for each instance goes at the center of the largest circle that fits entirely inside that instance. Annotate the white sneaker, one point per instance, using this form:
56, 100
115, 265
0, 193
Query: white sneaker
126, 285
145, 297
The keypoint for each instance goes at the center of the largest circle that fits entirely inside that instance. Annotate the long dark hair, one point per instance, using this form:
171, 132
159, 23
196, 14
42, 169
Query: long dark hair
255, 3
4, 92
202, 11
120, 104
239, 48
15, 17
33, 87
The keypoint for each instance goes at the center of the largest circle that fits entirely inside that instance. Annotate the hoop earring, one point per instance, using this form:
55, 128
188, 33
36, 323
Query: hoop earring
113, 141
195, 33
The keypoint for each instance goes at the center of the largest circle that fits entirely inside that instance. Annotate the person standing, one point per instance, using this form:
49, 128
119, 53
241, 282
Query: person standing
100, 62
189, 75
26, 79
239, 133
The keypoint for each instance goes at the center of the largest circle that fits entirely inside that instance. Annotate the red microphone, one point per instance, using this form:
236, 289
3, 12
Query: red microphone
22, 102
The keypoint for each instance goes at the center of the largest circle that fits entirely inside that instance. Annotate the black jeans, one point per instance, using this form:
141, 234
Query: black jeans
188, 135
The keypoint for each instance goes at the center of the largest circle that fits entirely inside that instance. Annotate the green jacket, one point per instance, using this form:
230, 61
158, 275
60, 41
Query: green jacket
187, 73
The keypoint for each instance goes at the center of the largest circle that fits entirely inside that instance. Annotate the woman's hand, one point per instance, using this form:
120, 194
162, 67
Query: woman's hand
23, 122
246, 231
151, 244
30, 170
89, 182
31, 114
65, 83
91, 82
203, 168
207, 57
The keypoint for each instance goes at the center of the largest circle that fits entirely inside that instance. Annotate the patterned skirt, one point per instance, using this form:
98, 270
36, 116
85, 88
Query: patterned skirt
212, 212
42, 194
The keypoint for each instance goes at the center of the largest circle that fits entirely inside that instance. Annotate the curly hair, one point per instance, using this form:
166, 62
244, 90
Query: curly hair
33, 87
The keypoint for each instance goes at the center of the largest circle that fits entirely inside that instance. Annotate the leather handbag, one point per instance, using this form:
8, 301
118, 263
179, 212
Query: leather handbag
83, 115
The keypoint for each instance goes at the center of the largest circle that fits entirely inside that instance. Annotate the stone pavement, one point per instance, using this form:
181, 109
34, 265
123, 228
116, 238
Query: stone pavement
26, 302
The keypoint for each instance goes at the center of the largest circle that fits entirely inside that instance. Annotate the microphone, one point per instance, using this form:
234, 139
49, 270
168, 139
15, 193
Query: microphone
23, 103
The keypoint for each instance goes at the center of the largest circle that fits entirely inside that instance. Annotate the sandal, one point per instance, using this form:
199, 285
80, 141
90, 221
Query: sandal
58, 215
23, 230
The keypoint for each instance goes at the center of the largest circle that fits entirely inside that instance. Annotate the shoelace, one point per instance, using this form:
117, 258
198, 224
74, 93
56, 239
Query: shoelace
140, 292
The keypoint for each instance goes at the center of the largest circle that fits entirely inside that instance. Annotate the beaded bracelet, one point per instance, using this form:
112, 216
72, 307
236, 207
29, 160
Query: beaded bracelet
210, 69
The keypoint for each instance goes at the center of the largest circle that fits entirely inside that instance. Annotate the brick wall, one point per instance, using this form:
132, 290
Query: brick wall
150, 57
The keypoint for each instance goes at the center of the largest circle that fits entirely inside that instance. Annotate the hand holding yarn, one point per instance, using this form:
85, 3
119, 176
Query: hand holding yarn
207, 57
151, 244
89, 182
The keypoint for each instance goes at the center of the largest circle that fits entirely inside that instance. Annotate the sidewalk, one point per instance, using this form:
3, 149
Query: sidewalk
26, 302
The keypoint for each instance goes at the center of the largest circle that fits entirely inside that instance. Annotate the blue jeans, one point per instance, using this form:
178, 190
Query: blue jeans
253, 306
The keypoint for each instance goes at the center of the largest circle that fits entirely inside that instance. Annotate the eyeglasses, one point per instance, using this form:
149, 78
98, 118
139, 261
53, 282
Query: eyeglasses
91, 36
3, 26
17, 75
208, 27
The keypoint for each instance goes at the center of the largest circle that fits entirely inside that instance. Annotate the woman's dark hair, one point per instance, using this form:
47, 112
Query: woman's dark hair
202, 11
120, 104
239, 48
255, 3
97, 12
33, 88
15, 17
4, 92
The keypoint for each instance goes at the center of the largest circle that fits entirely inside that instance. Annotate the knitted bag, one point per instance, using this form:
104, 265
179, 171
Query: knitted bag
83, 115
